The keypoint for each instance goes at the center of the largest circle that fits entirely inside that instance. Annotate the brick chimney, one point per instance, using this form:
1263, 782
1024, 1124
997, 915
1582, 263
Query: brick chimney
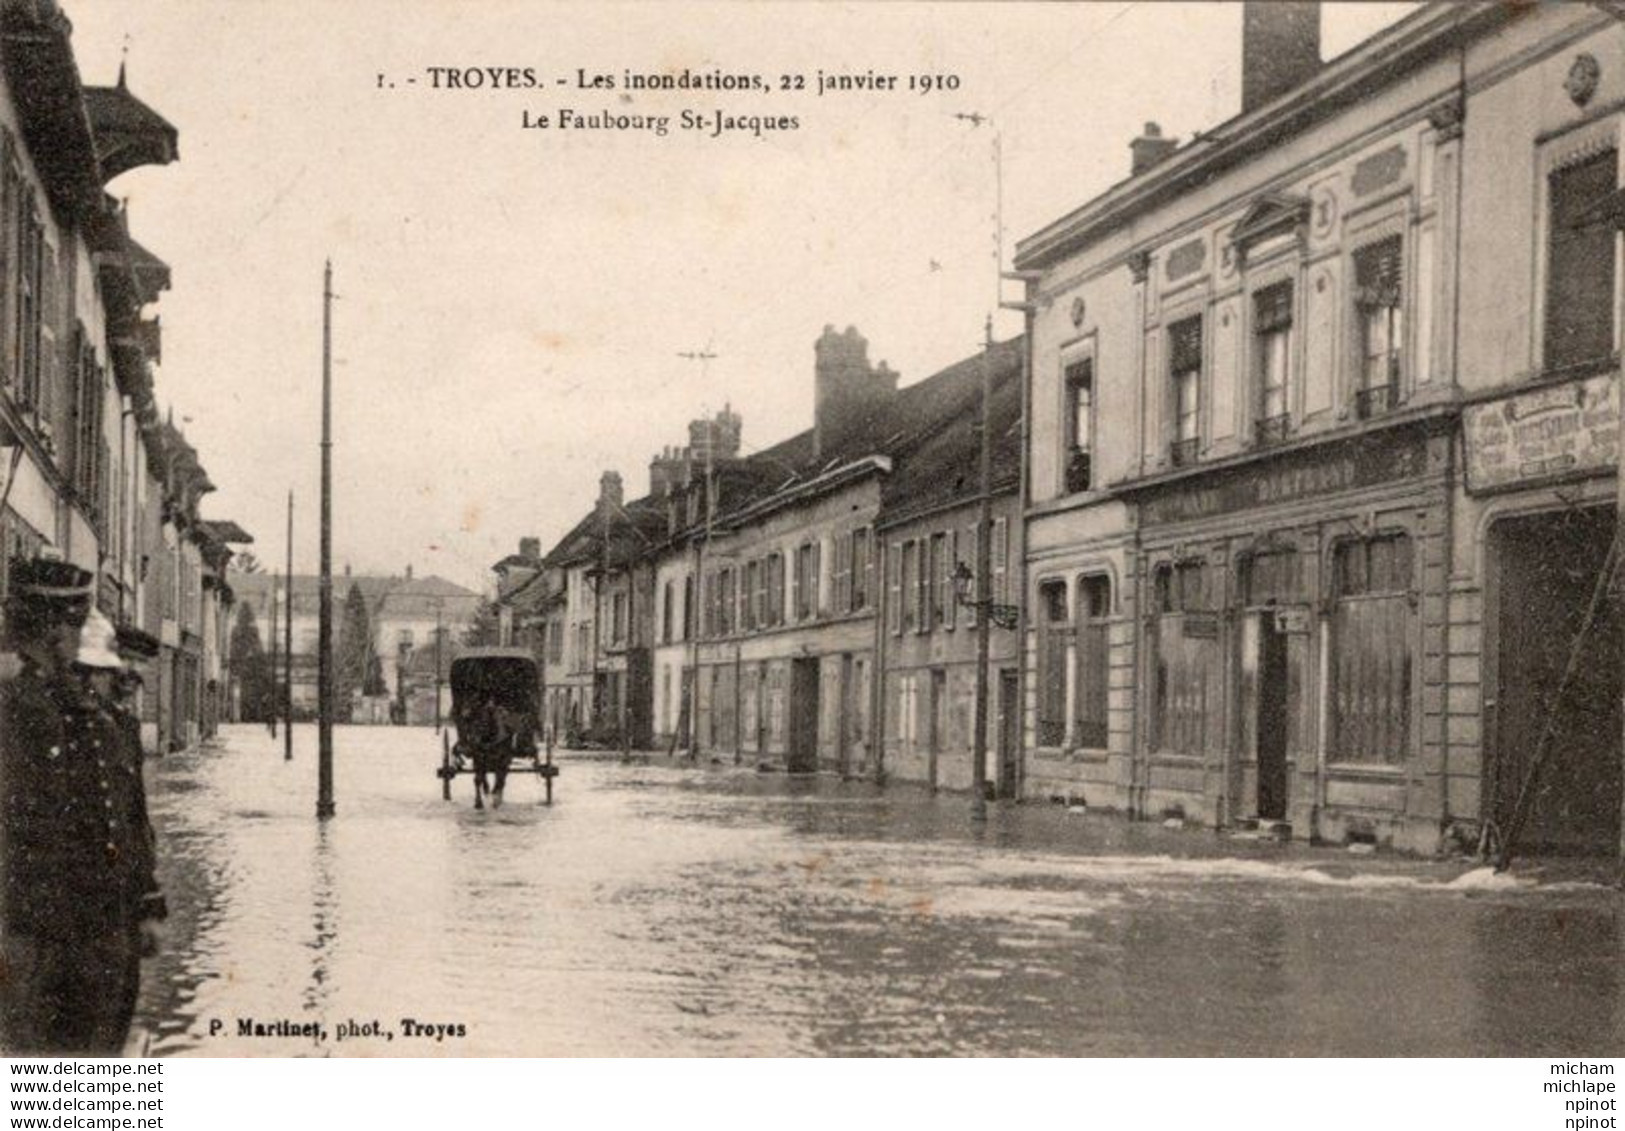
1280, 48
668, 470
846, 389
717, 437
530, 549
609, 493
1150, 148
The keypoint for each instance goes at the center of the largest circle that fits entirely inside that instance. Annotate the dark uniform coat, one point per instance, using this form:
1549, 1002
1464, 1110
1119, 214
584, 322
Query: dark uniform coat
78, 869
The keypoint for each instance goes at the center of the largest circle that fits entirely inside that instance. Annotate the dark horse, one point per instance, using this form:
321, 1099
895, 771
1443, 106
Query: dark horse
494, 735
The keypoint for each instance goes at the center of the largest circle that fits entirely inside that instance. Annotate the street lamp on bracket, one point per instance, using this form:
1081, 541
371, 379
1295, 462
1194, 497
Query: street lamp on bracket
1004, 616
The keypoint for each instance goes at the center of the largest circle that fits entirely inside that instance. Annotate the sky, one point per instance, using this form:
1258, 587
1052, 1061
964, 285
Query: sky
513, 302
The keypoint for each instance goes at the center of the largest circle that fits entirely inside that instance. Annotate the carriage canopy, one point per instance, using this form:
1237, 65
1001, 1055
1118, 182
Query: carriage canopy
506, 675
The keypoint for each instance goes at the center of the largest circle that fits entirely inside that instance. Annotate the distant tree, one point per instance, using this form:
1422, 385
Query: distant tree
246, 562
374, 684
485, 629
251, 667
354, 651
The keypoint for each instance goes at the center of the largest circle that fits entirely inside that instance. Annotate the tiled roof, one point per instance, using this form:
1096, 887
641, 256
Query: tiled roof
927, 429
385, 596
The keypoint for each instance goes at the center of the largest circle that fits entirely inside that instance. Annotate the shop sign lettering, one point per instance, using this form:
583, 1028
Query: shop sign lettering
1299, 475
1563, 430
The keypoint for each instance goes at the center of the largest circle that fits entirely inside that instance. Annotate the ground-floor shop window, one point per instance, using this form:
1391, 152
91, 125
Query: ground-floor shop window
1184, 656
1053, 633
1094, 660
1371, 650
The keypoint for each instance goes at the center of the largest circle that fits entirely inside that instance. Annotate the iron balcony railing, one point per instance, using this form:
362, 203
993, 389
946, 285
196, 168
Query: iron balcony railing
1273, 429
1376, 400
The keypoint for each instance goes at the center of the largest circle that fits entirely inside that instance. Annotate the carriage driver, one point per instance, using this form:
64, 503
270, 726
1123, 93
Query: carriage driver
78, 882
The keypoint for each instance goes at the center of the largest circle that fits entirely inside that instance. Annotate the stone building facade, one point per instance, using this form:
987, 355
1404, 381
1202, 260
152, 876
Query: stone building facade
1313, 396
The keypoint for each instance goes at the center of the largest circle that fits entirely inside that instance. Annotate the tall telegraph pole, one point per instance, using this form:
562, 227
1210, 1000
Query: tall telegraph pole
287, 647
270, 712
984, 593
324, 632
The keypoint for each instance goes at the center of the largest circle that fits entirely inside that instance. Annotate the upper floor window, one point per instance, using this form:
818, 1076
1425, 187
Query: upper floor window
908, 589
666, 598
752, 597
939, 582
1185, 377
1380, 319
1080, 428
1272, 338
28, 276
860, 570
1580, 264
725, 602
807, 566
688, 608
774, 573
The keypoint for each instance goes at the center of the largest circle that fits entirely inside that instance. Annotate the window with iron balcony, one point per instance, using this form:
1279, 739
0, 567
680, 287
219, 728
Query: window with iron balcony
1080, 380
1379, 300
1185, 378
1272, 340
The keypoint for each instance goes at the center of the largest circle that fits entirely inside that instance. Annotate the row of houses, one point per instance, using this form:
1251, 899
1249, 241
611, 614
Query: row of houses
1306, 491
415, 627
92, 469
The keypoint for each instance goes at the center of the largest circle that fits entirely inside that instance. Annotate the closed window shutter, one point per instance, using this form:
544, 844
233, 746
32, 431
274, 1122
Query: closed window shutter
1001, 554
1580, 265
843, 572
815, 581
894, 589
973, 559
950, 611
922, 587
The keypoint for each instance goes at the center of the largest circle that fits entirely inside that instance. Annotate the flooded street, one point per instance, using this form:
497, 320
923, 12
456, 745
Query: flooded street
670, 910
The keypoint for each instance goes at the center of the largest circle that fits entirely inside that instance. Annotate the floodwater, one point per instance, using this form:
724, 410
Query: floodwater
663, 909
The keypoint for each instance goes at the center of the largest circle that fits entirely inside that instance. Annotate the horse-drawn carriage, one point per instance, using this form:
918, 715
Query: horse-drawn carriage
496, 711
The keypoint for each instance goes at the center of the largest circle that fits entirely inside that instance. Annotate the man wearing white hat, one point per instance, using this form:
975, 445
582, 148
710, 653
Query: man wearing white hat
79, 859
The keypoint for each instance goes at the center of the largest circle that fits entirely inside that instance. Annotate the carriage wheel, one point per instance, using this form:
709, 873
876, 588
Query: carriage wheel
446, 772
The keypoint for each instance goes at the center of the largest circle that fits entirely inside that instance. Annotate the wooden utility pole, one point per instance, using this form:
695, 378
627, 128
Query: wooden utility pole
324, 632
270, 707
984, 593
439, 634
287, 647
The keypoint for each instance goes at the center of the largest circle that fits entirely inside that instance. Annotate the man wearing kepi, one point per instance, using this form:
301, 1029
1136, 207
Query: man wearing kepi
78, 852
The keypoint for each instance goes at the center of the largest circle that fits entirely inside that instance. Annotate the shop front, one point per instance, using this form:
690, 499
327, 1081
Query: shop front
1292, 635
1540, 486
